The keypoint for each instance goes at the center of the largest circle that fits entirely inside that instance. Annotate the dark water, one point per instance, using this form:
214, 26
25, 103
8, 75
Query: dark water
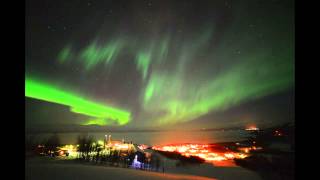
155, 138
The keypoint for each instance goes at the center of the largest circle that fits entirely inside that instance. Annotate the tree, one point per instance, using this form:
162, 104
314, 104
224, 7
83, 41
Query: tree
97, 148
86, 146
52, 143
155, 161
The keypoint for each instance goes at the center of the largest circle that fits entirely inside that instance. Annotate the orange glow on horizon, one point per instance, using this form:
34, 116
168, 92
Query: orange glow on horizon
252, 128
204, 152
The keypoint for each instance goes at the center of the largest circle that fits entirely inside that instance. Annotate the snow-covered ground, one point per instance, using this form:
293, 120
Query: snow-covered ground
46, 169
221, 173
40, 168
208, 170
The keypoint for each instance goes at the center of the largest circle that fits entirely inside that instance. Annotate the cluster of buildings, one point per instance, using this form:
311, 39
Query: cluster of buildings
125, 148
203, 151
109, 146
121, 146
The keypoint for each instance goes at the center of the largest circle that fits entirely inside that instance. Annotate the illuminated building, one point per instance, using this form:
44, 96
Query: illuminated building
203, 151
67, 150
116, 145
252, 128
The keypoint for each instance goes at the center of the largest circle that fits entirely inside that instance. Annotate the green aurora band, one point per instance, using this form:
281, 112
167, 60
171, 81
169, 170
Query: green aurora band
179, 99
65, 54
240, 84
143, 61
94, 54
186, 77
104, 115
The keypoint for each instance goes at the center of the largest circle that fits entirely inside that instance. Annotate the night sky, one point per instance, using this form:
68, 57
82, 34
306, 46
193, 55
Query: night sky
184, 64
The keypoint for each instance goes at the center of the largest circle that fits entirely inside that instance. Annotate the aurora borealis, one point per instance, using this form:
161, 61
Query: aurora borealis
160, 63
41, 91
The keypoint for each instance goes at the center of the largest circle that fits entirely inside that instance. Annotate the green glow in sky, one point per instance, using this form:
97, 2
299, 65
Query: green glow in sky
186, 76
177, 90
65, 54
192, 90
105, 53
100, 122
143, 62
95, 54
184, 100
104, 114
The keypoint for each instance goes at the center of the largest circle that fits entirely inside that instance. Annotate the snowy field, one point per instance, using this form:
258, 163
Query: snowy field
37, 169
48, 169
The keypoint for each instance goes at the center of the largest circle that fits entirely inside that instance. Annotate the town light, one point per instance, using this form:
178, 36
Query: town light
202, 151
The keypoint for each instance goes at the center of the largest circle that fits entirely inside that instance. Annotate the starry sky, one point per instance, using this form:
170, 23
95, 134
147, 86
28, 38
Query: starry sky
148, 63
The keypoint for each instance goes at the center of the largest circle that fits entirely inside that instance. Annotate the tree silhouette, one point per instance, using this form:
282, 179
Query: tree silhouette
86, 146
52, 143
